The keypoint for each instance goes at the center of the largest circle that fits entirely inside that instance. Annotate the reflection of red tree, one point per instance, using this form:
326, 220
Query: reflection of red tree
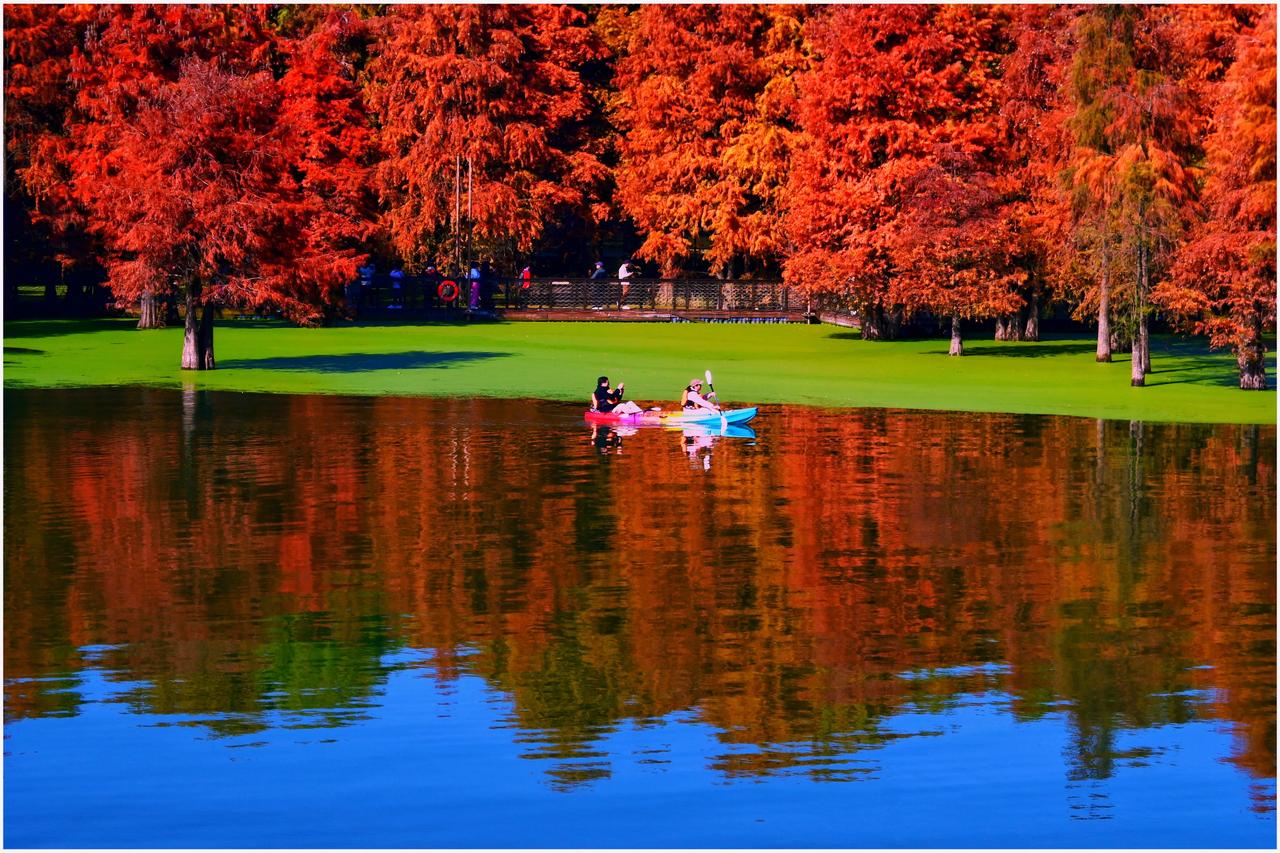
781, 594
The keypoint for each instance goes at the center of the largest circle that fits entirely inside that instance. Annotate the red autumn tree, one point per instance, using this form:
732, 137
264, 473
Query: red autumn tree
899, 139
333, 150
952, 249
209, 178
104, 64
497, 86
1224, 280
952, 252
39, 42
209, 188
1033, 143
705, 96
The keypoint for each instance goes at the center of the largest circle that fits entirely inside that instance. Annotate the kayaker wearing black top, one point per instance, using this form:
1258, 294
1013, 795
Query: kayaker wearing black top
606, 399
692, 398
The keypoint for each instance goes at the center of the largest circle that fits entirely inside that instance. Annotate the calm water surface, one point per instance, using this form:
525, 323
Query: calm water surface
240, 620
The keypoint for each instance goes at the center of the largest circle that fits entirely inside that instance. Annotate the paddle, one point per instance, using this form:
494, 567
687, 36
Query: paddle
711, 386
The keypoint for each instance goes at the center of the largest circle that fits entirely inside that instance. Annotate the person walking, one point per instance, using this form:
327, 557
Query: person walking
487, 285
625, 272
473, 304
526, 282
430, 286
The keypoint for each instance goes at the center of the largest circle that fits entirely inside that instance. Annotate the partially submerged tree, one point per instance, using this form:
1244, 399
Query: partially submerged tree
204, 193
1224, 280
104, 60
1132, 171
1102, 63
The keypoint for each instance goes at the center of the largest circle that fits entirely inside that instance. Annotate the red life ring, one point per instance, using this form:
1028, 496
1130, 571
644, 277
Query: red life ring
448, 290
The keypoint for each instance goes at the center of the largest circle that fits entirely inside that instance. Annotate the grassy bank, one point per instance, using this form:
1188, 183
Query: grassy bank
815, 365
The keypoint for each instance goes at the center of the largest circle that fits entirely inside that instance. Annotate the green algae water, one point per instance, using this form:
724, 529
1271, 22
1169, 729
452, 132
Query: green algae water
754, 363
316, 621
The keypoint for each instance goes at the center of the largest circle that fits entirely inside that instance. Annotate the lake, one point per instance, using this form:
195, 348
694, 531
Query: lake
315, 621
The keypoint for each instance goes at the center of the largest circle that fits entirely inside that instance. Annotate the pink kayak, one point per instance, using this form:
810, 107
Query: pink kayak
675, 419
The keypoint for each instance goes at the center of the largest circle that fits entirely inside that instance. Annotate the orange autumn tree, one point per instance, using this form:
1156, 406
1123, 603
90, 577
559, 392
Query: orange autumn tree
128, 52
1223, 282
703, 108
39, 44
1034, 145
211, 179
1133, 169
953, 248
497, 85
952, 252
1101, 62
899, 141
323, 106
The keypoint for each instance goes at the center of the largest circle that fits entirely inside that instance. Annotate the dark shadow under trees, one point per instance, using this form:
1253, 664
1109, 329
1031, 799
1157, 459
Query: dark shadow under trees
360, 362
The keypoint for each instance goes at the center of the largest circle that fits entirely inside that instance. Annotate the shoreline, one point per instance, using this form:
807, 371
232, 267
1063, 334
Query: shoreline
575, 412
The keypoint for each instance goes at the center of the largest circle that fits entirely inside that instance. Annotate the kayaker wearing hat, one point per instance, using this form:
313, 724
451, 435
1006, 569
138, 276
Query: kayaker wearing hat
692, 398
606, 399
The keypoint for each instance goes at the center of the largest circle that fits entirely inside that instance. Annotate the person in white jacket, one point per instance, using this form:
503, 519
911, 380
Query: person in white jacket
692, 398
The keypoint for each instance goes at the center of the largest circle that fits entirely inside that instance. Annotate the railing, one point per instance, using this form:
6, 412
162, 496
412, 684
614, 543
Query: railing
651, 294
583, 294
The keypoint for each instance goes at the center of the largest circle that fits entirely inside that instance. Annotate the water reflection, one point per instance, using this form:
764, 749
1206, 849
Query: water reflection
251, 563
695, 441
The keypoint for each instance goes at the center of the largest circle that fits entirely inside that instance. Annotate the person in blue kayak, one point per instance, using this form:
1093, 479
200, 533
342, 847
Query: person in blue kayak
606, 399
692, 398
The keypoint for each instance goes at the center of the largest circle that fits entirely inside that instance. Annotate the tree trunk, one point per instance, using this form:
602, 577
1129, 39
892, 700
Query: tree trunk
190, 336
957, 344
879, 323
874, 325
206, 339
867, 324
150, 312
171, 309
1141, 359
1001, 332
1144, 336
1013, 327
1251, 357
1104, 317
893, 323
665, 297
1137, 375
75, 294
1031, 332
1144, 318
197, 336
1138, 372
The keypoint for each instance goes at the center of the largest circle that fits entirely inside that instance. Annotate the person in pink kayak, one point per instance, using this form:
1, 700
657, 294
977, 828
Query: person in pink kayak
606, 399
692, 398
